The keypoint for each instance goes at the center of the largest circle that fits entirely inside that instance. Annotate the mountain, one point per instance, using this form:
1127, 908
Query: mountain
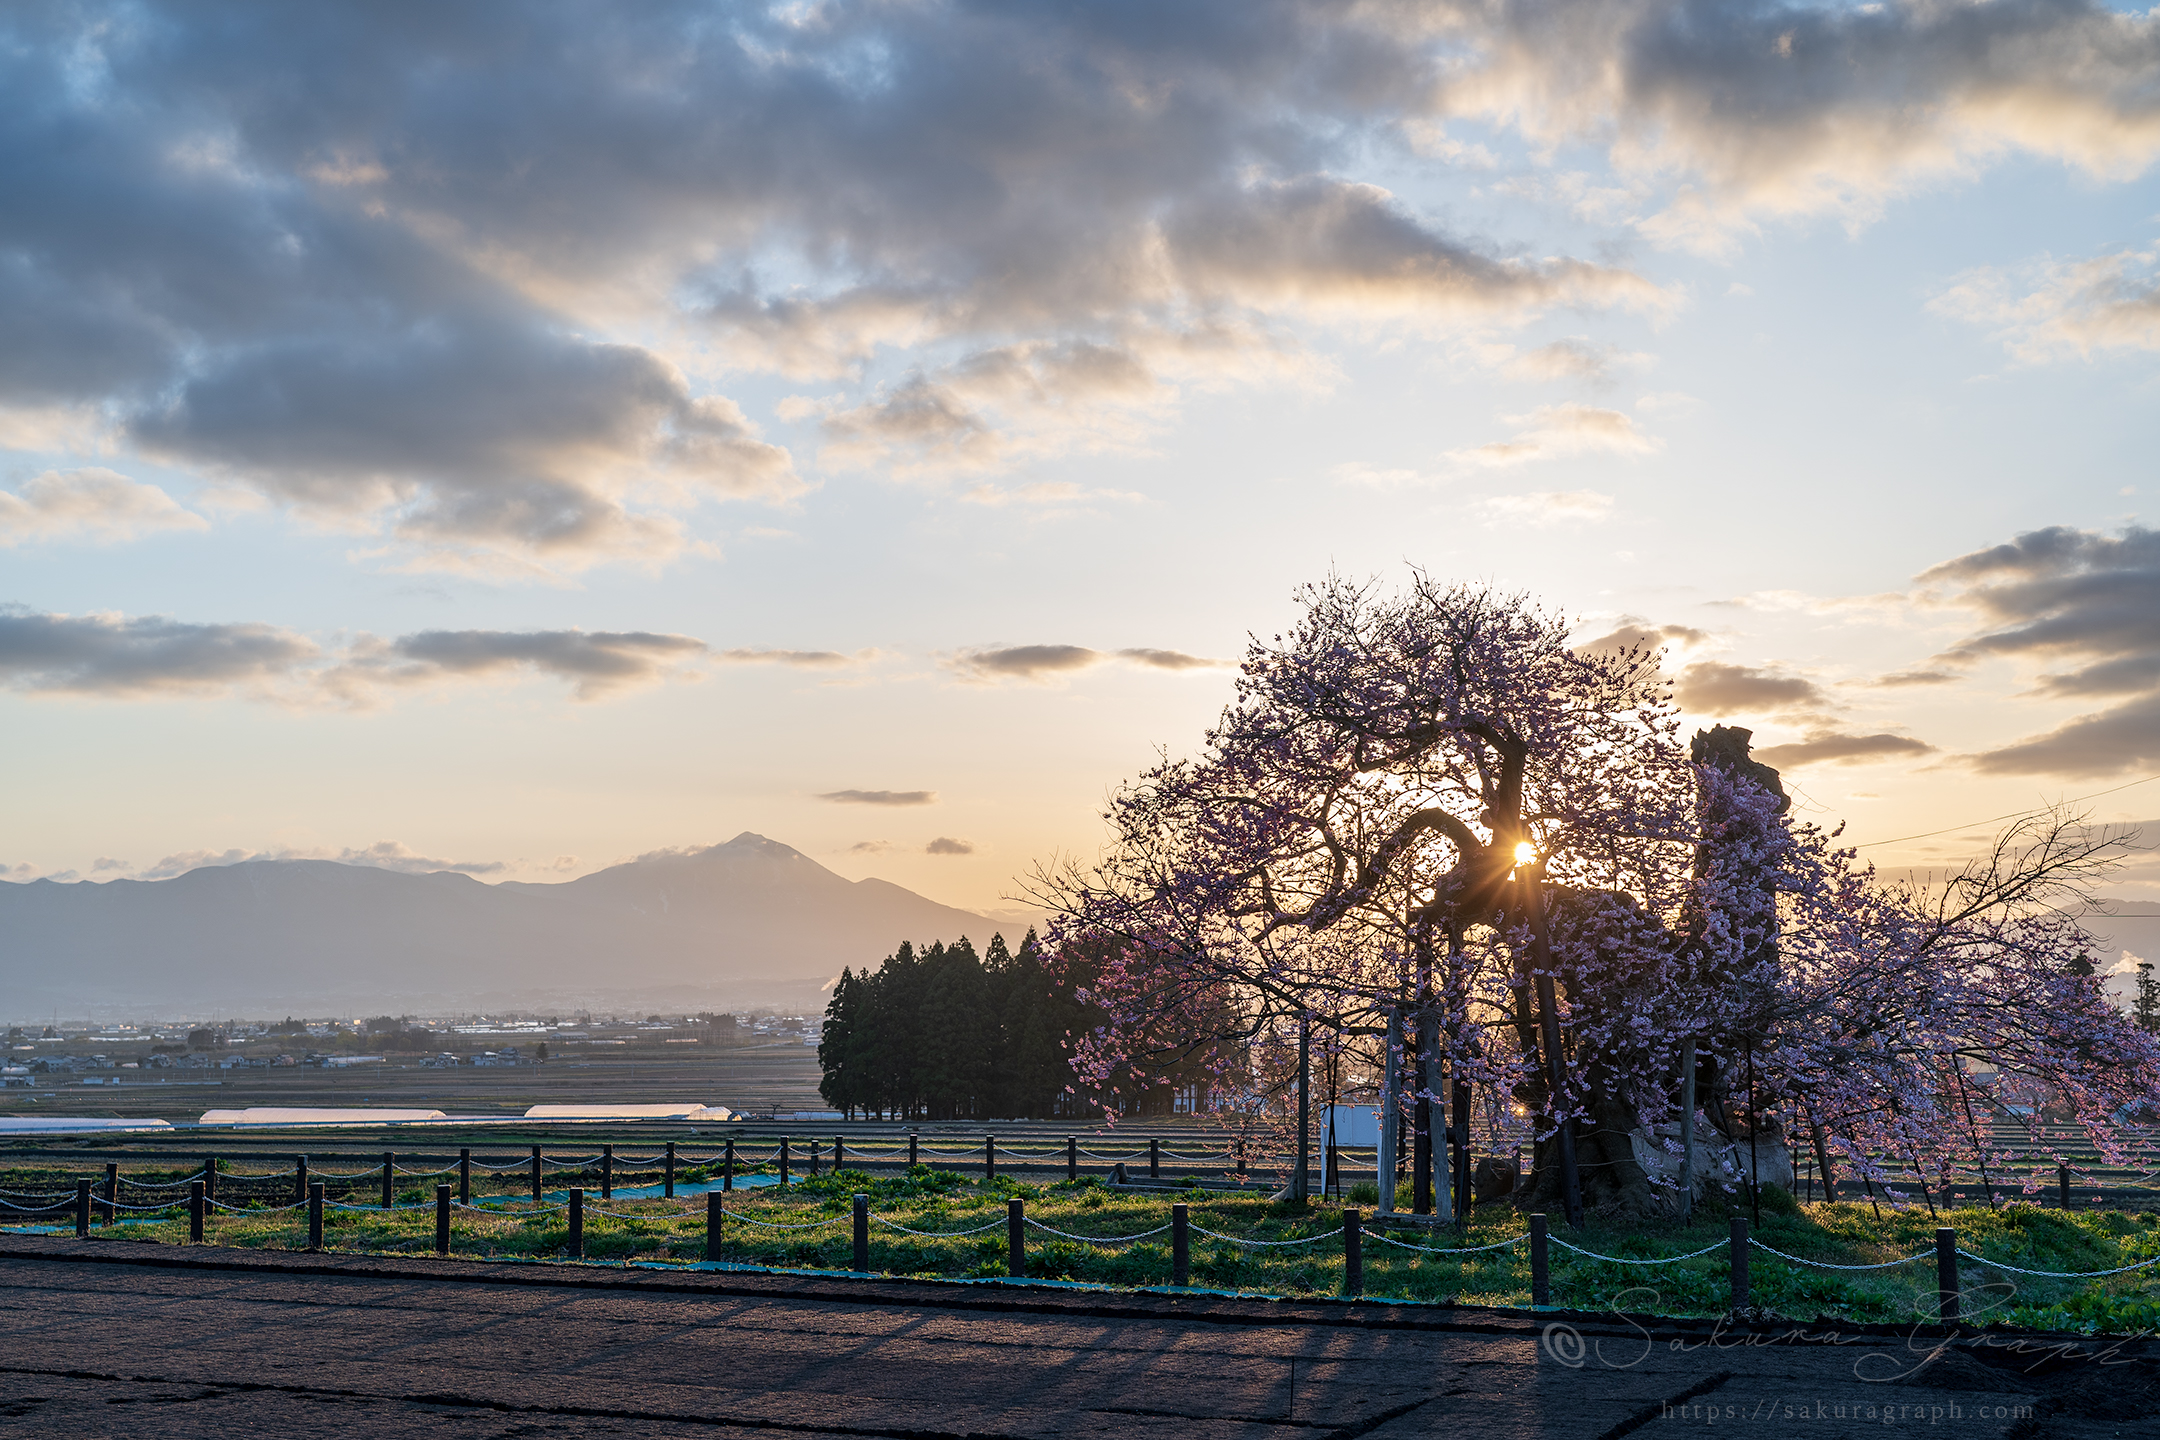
746, 923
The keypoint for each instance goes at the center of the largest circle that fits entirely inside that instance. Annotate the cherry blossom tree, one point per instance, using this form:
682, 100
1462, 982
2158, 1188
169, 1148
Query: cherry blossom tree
1429, 810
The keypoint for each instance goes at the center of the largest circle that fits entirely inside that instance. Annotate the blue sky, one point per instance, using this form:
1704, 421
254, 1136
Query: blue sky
523, 437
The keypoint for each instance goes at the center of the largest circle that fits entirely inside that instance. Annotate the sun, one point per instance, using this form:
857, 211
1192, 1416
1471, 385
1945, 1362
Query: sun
1525, 853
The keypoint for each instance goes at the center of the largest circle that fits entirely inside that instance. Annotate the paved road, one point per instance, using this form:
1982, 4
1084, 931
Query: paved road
112, 1338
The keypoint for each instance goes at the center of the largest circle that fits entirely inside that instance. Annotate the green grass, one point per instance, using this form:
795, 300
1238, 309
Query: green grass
942, 1201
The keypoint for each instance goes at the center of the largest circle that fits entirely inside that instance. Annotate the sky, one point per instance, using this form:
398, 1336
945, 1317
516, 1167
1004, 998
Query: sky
520, 437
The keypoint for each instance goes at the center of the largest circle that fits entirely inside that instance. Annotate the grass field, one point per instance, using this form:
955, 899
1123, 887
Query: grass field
672, 1231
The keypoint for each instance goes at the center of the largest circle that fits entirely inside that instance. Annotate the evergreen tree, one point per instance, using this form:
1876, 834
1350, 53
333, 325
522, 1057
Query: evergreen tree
2147, 1007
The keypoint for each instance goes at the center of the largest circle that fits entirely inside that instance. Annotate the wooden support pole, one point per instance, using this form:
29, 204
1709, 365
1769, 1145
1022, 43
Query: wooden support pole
1540, 1263
727, 1168
536, 1174
715, 1217
112, 1193
1241, 1158
1300, 1179
813, 1158
2062, 1184
1180, 1246
607, 1172
1739, 1263
195, 1209
300, 1180
1072, 1157
668, 1179
1154, 1158
389, 1179
209, 1175
1016, 1237
839, 1154
1687, 1128
314, 1214
576, 1246
862, 1234
464, 1177
1459, 1133
82, 1209
783, 1159
989, 1157
1353, 1254
442, 1219
1386, 1162
912, 1138
1946, 1275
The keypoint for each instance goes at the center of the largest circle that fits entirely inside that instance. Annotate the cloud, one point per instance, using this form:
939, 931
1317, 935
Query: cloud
1547, 507
870, 847
1553, 431
881, 797
2080, 604
1735, 113
2049, 309
597, 663
1710, 687
1633, 632
804, 659
946, 845
1826, 747
90, 504
1574, 358
1024, 662
147, 656
1907, 679
1169, 660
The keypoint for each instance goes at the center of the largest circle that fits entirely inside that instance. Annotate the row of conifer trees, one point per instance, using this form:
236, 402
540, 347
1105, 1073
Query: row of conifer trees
944, 1034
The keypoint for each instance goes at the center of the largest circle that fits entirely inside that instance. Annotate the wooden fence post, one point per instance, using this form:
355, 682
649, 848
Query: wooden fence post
82, 1209
714, 1216
1154, 1158
813, 1159
442, 1219
1072, 1158
1739, 1263
1946, 1274
2062, 1184
464, 1177
389, 1171
1016, 1238
862, 1234
1540, 1264
912, 1138
209, 1175
1180, 1247
536, 1174
839, 1154
577, 1223
1241, 1159
314, 1214
783, 1159
112, 1193
727, 1168
668, 1180
607, 1172
1353, 1254
195, 1211
989, 1157
300, 1180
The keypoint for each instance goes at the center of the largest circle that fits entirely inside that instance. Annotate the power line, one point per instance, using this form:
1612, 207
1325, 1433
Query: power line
1931, 834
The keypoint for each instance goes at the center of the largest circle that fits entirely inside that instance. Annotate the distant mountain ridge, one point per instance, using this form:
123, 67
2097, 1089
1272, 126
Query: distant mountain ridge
749, 922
